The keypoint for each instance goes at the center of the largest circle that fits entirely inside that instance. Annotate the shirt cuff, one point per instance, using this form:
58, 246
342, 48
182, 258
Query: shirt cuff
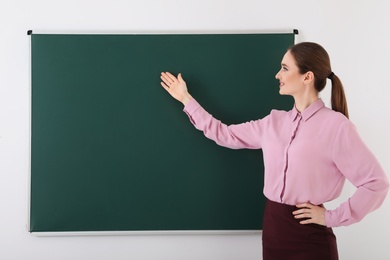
329, 219
191, 106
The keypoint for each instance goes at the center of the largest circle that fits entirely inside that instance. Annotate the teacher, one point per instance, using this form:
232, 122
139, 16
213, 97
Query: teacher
308, 152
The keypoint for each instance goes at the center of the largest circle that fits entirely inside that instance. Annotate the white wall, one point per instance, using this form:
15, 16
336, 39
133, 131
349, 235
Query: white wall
355, 33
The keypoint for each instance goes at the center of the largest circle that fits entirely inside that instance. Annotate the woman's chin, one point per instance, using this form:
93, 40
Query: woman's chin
281, 92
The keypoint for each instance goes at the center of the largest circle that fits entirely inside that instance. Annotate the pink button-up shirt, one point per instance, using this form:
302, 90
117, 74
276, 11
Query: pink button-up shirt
307, 157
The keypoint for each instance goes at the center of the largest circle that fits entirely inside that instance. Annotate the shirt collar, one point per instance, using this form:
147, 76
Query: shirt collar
309, 111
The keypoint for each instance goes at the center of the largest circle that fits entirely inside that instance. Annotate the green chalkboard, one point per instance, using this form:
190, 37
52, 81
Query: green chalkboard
112, 151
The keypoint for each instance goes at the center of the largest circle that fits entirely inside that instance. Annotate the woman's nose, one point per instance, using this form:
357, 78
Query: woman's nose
277, 75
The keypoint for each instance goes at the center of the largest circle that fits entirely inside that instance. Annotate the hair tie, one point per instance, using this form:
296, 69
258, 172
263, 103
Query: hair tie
331, 75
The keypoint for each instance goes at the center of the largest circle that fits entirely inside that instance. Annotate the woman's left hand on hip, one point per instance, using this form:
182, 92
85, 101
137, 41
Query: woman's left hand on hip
312, 214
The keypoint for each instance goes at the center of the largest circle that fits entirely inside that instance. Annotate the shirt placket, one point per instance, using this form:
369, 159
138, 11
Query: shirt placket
286, 153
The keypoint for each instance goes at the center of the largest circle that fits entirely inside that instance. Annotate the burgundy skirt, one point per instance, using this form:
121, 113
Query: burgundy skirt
284, 238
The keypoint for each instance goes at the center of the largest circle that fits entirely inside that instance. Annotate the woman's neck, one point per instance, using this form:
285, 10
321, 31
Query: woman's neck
303, 102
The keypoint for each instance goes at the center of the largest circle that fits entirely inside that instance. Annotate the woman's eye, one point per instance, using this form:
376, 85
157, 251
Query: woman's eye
284, 68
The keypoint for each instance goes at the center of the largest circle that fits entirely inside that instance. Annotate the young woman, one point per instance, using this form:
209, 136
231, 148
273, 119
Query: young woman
308, 152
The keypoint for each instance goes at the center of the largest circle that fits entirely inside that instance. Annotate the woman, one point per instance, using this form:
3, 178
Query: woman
308, 152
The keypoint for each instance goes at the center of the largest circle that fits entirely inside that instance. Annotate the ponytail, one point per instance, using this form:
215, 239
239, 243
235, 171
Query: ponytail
338, 100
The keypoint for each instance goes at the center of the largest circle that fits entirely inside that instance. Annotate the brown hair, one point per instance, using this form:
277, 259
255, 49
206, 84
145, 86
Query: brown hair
313, 57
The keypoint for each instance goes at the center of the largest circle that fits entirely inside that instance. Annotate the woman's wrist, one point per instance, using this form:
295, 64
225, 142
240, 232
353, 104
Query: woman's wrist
187, 98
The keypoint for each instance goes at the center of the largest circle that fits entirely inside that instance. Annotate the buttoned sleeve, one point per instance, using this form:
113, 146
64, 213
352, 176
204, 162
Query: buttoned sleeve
356, 162
238, 136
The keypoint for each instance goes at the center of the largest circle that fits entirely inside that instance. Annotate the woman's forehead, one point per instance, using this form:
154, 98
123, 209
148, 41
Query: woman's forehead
288, 60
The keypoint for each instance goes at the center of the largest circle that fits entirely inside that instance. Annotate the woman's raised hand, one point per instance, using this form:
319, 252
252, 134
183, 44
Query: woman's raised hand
176, 87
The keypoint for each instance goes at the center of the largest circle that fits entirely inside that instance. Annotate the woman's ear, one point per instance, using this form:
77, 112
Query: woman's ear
308, 78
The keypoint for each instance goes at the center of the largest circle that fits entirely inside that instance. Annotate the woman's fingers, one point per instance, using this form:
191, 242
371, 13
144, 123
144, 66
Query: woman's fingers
303, 212
165, 86
311, 213
168, 78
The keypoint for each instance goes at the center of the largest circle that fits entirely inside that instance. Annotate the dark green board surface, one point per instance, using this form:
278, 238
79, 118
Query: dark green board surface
112, 151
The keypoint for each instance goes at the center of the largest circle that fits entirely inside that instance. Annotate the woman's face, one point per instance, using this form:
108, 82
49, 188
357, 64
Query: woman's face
291, 81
